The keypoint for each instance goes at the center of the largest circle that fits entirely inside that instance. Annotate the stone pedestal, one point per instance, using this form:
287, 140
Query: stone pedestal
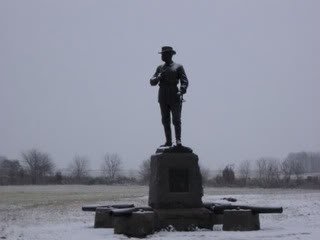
103, 218
175, 181
175, 200
175, 190
240, 220
187, 219
139, 224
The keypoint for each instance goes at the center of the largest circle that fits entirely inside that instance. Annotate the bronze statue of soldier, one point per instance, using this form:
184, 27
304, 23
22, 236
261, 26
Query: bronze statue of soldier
170, 96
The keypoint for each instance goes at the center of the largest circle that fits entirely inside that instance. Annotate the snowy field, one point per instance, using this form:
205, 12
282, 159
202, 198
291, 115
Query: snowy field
54, 212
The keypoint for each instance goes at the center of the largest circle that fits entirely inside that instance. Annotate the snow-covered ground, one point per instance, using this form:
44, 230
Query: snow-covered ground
54, 212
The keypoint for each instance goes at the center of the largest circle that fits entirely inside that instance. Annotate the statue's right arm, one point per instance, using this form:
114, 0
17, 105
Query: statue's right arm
156, 77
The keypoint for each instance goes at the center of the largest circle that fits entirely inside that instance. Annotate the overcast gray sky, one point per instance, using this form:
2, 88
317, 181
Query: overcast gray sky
74, 78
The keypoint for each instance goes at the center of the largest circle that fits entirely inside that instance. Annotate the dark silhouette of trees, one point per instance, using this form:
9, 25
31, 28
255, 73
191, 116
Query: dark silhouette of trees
38, 165
228, 175
11, 172
58, 177
298, 169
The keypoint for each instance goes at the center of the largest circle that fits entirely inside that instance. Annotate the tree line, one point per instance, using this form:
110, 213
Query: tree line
296, 170
37, 167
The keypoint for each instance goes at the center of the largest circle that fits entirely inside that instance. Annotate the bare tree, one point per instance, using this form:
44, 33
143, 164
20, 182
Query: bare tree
38, 165
287, 169
244, 170
145, 171
273, 172
297, 168
313, 164
268, 171
295, 161
111, 166
79, 168
261, 168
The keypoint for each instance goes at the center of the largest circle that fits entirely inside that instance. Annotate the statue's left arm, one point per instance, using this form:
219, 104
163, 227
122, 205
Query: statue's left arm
184, 82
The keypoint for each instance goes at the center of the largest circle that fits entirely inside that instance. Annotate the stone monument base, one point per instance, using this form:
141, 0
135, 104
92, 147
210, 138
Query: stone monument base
175, 202
103, 218
142, 223
138, 224
188, 219
175, 181
240, 220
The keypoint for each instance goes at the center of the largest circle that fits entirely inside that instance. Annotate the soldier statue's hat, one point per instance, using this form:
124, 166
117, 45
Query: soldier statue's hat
167, 49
